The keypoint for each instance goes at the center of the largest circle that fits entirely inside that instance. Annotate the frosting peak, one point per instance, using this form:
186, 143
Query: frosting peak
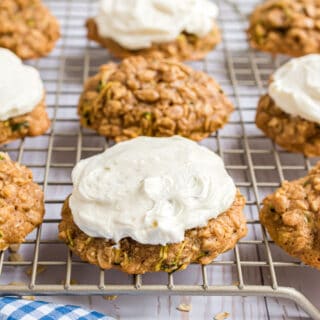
150, 189
136, 24
296, 87
21, 88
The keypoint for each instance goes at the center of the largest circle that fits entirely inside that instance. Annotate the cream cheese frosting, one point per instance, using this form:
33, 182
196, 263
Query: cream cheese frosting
21, 88
296, 87
136, 24
150, 189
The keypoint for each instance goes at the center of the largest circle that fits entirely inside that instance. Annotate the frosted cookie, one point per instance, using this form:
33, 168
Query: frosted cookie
290, 113
27, 28
143, 96
181, 29
291, 216
22, 102
290, 27
152, 204
21, 202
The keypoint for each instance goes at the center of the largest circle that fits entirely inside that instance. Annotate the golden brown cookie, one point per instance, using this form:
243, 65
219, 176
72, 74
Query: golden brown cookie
151, 97
30, 124
21, 202
201, 245
27, 28
290, 132
292, 217
185, 47
290, 27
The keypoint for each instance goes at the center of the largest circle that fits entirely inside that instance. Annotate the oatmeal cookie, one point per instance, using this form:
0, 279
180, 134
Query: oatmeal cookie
30, 124
290, 132
201, 245
150, 97
21, 201
290, 27
27, 28
292, 217
185, 47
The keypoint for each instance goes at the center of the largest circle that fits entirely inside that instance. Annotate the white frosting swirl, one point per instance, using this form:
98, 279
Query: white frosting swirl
21, 88
150, 189
136, 24
296, 87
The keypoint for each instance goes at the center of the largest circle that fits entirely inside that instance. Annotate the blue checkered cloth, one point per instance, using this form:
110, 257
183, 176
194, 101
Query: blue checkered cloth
18, 309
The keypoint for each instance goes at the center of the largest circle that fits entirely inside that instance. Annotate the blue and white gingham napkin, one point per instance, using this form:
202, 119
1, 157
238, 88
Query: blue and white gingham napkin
18, 309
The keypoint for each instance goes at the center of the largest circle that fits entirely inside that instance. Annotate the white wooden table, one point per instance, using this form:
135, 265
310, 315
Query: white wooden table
251, 159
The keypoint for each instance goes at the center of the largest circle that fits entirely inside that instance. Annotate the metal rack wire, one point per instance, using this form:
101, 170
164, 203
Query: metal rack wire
256, 164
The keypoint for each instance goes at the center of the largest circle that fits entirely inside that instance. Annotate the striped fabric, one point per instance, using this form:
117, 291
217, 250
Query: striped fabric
18, 309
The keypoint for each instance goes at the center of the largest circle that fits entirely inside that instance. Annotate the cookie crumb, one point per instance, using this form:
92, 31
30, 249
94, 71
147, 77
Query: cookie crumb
15, 257
16, 283
72, 281
184, 307
39, 270
109, 298
31, 298
221, 316
14, 247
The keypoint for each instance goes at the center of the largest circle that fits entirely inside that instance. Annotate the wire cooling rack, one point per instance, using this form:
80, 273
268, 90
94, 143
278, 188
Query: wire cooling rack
256, 164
